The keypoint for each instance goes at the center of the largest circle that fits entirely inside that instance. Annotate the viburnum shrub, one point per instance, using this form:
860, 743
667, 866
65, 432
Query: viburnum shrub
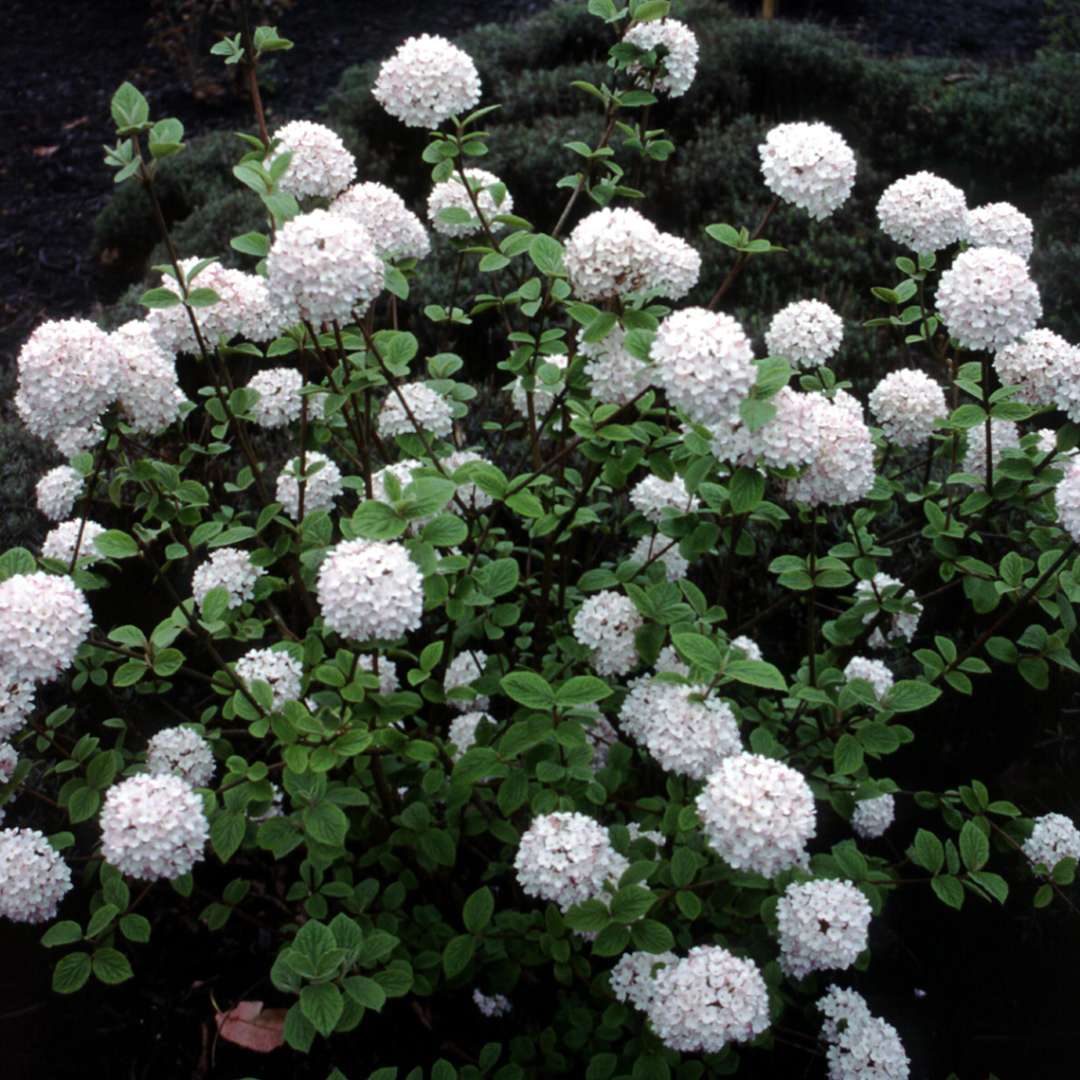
437, 696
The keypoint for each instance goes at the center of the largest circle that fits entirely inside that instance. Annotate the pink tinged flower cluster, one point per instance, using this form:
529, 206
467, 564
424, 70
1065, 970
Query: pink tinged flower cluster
279, 402
872, 817
397, 231
875, 672
896, 625
793, 435
1000, 225
861, 1046
227, 568
663, 550
1044, 366
633, 978
33, 876
16, 702
183, 752
57, 491
489, 193
808, 165
427, 81
1067, 500
1004, 435
70, 538
615, 373
280, 670
322, 485
430, 411
1054, 837
463, 671
320, 166
842, 472
679, 64
44, 619
908, 405
923, 212
653, 495
822, 925
606, 623
462, 733
807, 333
150, 396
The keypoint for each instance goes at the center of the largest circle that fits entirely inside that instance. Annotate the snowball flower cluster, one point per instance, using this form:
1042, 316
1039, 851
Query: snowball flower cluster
230, 569
567, 858
1004, 435
908, 404
9, 759
149, 394
616, 374
1000, 225
823, 924
370, 589
43, 621
57, 491
387, 672
464, 670
900, 624
320, 165
704, 361
1067, 499
607, 623
679, 63
807, 333
279, 402
322, 485
809, 165
492, 1006
396, 230
1040, 363
875, 672
793, 435
429, 409
708, 999
653, 495
60, 542
676, 267
279, 669
1053, 838
153, 827
323, 266
16, 702
486, 188
746, 647
758, 814
987, 298
427, 81
183, 752
633, 978
842, 472
923, 212
863, 1047
472, 495
665, 551
463, 731
872, 817
33, 876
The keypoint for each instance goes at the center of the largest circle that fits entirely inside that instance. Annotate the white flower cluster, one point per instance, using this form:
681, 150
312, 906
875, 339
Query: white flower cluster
758, 814
69, 372
809, 165
427, 81
279, 402
463, 731
323, 266
749, 648
607, 623
1004, 435
370, 589
687, 731
633, 978
901, 624
602, 737
44, 619
704, 361
708, 999
59, 542
665, 551
807, 333
320, 165
464, 670
396, 230
861, 1046
823, 924
9, 759
429, 408
323, 485
33, 876
149, 394
908, 404
279, 669
1053, 838
401, 471
490, 194
544, 393
676, 267
153, 827
492, 1006
617, 375
1040, 363
57, 491
875, 672
987, 298
388, 676
653, 495
793, 435
474, 497
227, 568
843, 470
923, 212
183, 752
16, 702
567, 858
872, 817
1067, 499
679, 63
1000, 225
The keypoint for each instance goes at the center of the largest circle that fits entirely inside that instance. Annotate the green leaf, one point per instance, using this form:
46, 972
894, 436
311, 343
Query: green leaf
322, 1006
159, 298
115, 544
299, 1032
111, 966
910, 695
652, 937
457, 954
948, 890
101, 919
529, 690
651, 10
478, 909
746, 490
582, 690
71, 973
698, 650
847, 755
928, 851
498, 577
756, 673
974, 846
66, 932
135, 928
366, 992
611, 940
547, 255
129, 109
83, 804
684, 867
227, 833
631, 902
326, 824
251, 243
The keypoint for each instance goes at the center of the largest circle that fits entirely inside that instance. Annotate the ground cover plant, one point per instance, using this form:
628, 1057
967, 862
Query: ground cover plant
448, 700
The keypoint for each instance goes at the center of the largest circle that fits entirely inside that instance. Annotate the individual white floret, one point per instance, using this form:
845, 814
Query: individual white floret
679, 45
703, 360
1067, 499
843, 470
808, 165
33, 876
322, 487
987, 299
57, 491
430, 411
227, 568
908, 405
462, 732
567, 858
747, 647
323, 267
153, 827
1042, 364
60, 542
653, 495
664, 550
822, 925
607, 622
1000, 225
632, 979
427, 81
183, 752
370, 589
149, 393
875, 672
614, 253
758, 814
807, 333
616, 374
464, 670
544, 392
872, 817
494, 1006
282, 671
473, 496
279, 402
923, 212
44, 618
900, 624
485, 191
320, 165
1053, 838
707, 1000
397, 231
791, 437
16, 702
1004, 435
